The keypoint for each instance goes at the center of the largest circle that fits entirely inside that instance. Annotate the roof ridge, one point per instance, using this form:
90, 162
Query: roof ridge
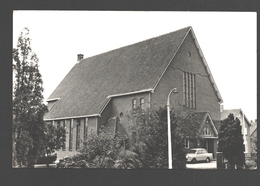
135, 43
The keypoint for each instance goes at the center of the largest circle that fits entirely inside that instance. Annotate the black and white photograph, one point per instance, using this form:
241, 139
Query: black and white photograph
134, 90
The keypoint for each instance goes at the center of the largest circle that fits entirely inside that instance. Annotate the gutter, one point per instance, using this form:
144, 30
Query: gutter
73, 117
130, 93
53, 99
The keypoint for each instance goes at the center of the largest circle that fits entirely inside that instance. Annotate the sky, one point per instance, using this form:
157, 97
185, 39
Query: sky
227, 39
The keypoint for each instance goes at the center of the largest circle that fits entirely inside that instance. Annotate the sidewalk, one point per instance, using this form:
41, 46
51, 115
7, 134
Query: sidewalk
202, 165
51, 166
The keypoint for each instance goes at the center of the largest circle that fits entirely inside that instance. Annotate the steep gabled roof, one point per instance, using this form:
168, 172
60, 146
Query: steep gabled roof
131, 68
226, 112
88, 87
201, 117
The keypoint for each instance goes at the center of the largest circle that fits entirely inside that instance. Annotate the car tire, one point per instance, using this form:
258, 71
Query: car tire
208, 160
193, 160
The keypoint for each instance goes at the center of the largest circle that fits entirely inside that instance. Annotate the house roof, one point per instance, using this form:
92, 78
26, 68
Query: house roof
201, 117
226, 112
253, 128
88, 87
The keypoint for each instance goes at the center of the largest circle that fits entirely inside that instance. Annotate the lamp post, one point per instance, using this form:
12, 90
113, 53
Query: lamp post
169, 128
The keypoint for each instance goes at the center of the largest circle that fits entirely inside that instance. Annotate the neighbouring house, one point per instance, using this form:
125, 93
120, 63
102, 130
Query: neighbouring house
207, 131
253, 135
104, 89
245, 127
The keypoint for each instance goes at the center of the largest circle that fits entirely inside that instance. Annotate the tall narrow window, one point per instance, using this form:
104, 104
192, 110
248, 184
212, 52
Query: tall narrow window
85, 128
142, 103
194, 91
64, 144
78, 135
184, 89
58, 125
189, 90
70, 135
134, 104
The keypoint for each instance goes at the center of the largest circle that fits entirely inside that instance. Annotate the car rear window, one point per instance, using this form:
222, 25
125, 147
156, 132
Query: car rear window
192, 151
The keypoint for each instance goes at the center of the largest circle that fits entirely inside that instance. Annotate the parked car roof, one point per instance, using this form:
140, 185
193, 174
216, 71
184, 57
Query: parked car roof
198, 149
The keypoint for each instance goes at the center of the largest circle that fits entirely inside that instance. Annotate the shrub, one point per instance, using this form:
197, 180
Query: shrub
251, 164
102, 151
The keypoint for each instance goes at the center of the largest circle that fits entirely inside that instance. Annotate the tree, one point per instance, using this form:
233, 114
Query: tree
254, 148
152, 143
102, 150
28, 107
231, 141
54, 138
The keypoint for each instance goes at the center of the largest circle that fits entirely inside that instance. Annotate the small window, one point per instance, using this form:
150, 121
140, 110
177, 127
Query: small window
142, 103
134, 103
121, 114
189, 54
206, 131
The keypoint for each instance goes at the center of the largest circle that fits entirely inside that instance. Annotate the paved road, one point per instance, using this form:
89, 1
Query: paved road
44, 166
202, 165
198, 165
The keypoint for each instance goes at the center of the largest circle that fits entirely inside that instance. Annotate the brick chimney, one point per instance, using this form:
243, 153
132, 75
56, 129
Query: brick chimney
80, 57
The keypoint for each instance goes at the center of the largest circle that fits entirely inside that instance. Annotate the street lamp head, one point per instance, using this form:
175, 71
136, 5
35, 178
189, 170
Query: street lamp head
175, 91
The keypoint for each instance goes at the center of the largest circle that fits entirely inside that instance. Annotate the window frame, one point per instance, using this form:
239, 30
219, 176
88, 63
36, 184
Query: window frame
134, 103
78, 135
189, 90
142, 103
64, 144
70, 135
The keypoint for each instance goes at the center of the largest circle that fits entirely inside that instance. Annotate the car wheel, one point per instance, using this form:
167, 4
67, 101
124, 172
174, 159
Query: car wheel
193, 160
207, 160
